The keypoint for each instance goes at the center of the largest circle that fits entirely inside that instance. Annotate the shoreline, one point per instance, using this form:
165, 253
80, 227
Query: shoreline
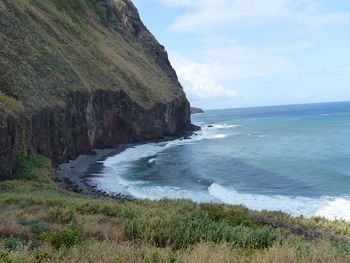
73, 175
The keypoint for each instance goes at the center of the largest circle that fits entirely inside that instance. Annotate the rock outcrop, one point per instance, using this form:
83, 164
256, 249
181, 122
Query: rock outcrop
83, 74
194, 110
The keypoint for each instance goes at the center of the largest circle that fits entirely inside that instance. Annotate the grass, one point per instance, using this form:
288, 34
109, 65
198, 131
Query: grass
78, 9
10, 105
57, 37
40, 222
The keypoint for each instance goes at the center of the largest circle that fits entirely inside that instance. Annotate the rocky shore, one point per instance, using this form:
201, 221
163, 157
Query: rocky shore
74, 175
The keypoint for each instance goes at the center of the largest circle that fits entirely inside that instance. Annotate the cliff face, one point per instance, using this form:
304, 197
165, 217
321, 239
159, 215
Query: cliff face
78, 75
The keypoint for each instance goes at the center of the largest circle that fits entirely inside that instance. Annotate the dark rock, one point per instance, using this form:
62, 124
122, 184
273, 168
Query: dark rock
195, 110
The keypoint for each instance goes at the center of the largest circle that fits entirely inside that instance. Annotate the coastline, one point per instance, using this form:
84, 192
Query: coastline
73, 175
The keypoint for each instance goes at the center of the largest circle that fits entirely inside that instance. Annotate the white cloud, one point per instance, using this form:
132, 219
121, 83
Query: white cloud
199, 80
204, 15
342, 68
238, 61
244, 39
224, 64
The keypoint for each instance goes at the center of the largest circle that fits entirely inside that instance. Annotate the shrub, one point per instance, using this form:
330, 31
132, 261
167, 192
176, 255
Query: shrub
33, 167
64, 238
41, 257
14, 244
60, 215
38, 227
342, 248
258, 238
6, 186
88, 209
217, 213
4, 257
191, 228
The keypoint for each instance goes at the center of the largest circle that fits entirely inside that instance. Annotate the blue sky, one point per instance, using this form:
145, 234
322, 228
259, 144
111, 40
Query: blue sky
241, 53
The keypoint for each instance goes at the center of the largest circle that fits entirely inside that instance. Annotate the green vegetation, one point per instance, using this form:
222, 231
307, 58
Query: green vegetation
78, 9
65, 46
40, 222
64, 238
10, 105
42, 50
33, 167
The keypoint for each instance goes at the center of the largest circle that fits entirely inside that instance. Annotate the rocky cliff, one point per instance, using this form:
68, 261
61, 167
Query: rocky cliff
194, 110
78, 75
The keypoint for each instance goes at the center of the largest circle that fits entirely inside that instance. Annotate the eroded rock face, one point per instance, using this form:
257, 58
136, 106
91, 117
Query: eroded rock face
83, 84
91, 120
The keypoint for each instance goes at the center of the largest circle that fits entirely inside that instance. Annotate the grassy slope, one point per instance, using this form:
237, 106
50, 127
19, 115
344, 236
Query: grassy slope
51, 47
40, 222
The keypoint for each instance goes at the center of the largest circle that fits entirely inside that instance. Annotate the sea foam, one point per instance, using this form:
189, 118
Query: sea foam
160, 192
325, 206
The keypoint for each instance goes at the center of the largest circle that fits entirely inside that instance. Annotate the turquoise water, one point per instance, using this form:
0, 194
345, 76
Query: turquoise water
290, 158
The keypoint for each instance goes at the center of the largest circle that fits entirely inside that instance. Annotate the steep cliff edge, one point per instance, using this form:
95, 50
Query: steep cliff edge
83, 74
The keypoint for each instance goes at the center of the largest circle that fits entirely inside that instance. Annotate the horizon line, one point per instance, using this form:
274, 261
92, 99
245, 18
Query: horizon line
275, 105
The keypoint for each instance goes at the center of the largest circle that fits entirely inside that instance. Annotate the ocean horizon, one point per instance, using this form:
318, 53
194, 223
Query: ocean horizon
290, 158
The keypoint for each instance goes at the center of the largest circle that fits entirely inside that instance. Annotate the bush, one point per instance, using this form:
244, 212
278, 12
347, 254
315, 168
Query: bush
59, 215
6, 186
191, 228
41, 257
5, 258
234, 218
65, 238
88, 209
38, 227
33, 167
342, 248
257, 238
14, 244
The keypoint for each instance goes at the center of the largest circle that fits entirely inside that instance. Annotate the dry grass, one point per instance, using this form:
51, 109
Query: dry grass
10, 104
10, 228
102, 228
106, 252
317, 252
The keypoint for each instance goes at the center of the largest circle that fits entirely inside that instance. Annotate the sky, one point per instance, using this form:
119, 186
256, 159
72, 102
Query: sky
244, 53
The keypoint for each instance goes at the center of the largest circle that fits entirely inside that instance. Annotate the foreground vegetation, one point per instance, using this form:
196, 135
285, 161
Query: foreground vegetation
40, 222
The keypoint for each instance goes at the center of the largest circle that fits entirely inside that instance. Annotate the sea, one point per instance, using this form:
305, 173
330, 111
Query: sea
294, 159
